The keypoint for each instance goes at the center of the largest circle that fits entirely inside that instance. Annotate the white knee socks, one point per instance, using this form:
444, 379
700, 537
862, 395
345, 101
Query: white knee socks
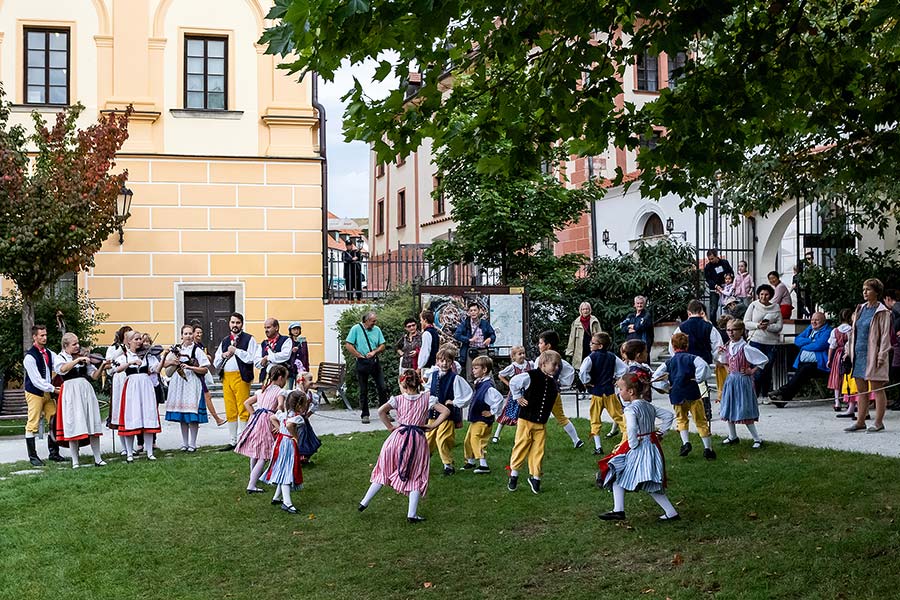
184, 434
193, 428
618, 498
570, 429
751, 427
73, 450
128, 442
414, 498
685, 436
597, 443
148, 444
286, 494
95, 449
664, 503
707, 442
732, 430
241, 425
373, 489
233, 430
256, 468
498, 430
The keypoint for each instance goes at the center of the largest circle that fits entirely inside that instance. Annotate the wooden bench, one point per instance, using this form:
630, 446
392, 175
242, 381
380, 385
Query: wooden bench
13, 405
330, 377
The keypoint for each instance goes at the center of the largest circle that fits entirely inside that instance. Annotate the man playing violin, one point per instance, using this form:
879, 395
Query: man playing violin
234, 361
39, 362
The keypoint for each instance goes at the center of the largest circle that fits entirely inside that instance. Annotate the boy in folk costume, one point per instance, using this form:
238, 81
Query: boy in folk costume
234, 362
684, 371
486, 404
536, 392
564, 377
599, 371
452, 391
39, 362
431, 342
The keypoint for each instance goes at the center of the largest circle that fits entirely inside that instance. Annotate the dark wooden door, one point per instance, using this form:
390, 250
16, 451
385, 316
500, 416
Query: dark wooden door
212, 311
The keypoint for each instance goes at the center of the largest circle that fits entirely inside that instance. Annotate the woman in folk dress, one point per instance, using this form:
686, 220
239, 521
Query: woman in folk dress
185, 403
113, 353
78, 411
138, 413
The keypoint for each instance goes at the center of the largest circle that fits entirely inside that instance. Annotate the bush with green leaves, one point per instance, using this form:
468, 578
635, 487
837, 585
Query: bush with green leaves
392, 311
839, 285
78, 312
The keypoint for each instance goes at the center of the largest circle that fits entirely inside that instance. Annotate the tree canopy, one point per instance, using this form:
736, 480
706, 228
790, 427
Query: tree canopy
776, 100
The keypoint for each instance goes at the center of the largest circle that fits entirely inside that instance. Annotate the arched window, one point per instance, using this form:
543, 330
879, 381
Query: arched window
653, 226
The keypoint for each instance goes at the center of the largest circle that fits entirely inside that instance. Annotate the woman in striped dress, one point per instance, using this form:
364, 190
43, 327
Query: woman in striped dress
638, 462
738, 397
257, 440
404, 458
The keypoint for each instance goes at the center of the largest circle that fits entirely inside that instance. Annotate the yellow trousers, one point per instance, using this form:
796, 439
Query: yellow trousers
612, 406
444, 439
530, 439
692, 408
558, 412
476, 440
235, 390
36, 406
721, 376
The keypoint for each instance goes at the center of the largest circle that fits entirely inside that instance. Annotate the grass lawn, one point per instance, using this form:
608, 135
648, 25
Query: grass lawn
782, 522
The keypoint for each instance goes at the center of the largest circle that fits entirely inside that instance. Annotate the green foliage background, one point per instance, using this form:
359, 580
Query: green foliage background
79, 313
840, 285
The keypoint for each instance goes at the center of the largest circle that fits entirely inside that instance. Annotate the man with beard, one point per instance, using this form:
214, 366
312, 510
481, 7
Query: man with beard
234, 361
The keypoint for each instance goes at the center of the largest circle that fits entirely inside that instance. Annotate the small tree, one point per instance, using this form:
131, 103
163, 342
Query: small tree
59, 206
839, 285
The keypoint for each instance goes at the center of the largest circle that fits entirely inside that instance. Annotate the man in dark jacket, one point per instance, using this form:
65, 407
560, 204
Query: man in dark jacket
639, 324
811, 363
473, 333
714, 273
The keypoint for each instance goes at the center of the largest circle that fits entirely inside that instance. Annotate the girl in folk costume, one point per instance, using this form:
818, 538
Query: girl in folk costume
284, 470
510, 412
138, 414
840, 379
308, 443
257, 440
486, 404
207, 380
186, 366
738, 397
638, 463
565, 377
451, 390
113, 353
78, 412
404, 460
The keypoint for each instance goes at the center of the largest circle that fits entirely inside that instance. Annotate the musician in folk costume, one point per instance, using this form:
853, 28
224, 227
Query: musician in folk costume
186, 365
39, 362
234, 361
274, 350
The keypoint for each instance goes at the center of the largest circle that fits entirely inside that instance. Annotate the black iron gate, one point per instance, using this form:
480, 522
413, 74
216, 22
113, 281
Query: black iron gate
733, 238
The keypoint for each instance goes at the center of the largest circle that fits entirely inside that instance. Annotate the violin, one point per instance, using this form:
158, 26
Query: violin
93, 357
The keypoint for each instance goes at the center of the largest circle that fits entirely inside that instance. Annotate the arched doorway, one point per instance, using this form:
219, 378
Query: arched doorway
653, 226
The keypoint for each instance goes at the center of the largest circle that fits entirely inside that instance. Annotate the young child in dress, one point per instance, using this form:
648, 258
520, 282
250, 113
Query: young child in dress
453, 391
258, 440
842, 383
510, 411
537, 392
599, 372
486, 404
284, 470
565, 377
684, 371
404, 460
308, 443
738, 397
638, 463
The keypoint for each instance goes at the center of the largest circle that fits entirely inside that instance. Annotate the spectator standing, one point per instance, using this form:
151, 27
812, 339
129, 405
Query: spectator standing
409, 345
639, 324
473, 334
890, 300
352, 259
781, 297
583, 328
365, 342
764, 322
743, 284
714, 273
870, 347
811, 363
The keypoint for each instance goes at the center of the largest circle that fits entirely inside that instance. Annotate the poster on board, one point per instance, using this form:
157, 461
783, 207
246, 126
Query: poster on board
505, 312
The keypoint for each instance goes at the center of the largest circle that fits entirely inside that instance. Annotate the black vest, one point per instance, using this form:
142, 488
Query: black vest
541, 396
682, 378
78, 371
265, 351
603, 373
698, 332
435, 346
42, 368
478, 405
242, 342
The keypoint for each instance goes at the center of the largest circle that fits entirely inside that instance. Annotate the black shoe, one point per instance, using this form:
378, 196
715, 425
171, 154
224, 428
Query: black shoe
362, 507
35, 461
255, 491
709, 454
579, 444
365, 419
276, 502
535, 485
227, 448
844, 415
482, 469
414, 520
613, 515
598, 452
468, 466
57, 458
675, 517
613, 433
777, 395
779, 403
731, 441
449, 470
513, 483
289, 509
32, 453
685, 449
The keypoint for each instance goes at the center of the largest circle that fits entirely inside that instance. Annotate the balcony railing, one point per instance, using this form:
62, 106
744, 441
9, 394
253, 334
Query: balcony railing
374, 276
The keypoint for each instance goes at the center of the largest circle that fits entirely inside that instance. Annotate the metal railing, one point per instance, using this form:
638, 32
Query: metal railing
371, 277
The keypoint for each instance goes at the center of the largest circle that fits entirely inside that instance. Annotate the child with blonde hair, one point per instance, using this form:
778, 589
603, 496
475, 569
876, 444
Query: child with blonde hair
486, 404
451, 390
738, 397
510, 412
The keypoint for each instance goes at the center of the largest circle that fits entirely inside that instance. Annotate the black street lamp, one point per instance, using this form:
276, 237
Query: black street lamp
123, 210
605, 237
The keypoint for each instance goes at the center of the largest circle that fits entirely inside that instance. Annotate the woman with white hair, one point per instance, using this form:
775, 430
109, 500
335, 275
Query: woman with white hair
78, 414
583, 328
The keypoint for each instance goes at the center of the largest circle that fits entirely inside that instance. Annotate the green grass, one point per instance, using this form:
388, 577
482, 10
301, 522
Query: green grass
783, 522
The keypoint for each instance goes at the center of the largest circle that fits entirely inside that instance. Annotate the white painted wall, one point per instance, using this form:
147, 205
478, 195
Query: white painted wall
333, 312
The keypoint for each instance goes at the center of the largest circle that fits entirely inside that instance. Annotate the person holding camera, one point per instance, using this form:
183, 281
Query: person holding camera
365, 342
764, 322
474, 335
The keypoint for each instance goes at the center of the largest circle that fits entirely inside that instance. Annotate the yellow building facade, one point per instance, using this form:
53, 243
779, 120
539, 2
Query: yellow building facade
222, 156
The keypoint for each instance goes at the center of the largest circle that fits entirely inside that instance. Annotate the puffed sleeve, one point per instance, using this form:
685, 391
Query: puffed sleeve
518, 385
665, 416
621, 367
754, 356
566, 375
507, 371
495, 401
663, 384
462, 392
701, 369
392, 401
585, 371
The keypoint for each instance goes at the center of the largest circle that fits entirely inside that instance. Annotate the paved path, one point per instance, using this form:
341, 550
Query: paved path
805, 424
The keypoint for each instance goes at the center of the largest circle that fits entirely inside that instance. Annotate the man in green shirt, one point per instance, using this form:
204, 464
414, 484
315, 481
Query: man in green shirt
365, 342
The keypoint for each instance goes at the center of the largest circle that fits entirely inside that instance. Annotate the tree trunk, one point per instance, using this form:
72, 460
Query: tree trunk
27, 322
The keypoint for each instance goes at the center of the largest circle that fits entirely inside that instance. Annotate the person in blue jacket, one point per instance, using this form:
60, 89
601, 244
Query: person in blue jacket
811, 363
473, 334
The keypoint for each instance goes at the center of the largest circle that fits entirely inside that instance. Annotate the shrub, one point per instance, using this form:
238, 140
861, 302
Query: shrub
839, 285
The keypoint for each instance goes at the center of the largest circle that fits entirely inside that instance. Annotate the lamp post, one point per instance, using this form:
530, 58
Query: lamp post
605, 238
670, 228
123, 210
